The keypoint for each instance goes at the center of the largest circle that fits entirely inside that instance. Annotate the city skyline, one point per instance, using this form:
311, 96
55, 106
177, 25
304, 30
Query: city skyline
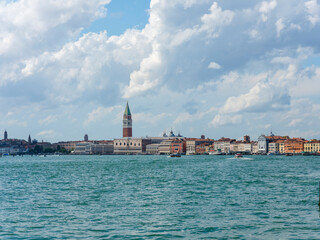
217, 68
127, 129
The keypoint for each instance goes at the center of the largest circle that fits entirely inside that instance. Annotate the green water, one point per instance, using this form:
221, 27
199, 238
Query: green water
155, 197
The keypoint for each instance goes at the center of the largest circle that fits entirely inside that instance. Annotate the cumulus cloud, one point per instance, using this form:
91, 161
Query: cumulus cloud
30, 26
215, 20
214, 65
99, 113
170, 63
279, 26
263, 96
222, 120
45, 133
313, 10
265, 8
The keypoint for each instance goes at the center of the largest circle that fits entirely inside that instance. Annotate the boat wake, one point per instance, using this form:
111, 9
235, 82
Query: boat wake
242, 158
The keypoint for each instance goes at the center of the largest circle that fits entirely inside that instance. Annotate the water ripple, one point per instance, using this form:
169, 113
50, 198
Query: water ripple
154, 197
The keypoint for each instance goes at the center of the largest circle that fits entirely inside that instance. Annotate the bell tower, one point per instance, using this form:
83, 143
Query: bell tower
127, 122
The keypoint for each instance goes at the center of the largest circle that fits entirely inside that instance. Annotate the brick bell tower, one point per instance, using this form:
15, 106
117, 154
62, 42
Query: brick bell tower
127, 122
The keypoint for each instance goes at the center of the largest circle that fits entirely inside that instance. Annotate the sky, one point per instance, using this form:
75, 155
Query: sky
221, 68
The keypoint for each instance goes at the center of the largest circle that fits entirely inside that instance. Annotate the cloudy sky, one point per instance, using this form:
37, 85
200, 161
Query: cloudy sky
214, 67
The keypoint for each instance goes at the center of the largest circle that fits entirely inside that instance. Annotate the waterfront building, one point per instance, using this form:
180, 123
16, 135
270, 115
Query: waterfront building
263, 144
82, 148
130, 145
223, 145
178, 146
273, 147
241, 147
152, 149
5, 150
255, 148
281, 146
204, 148
294, 145
312, 146
13, 146
192, 145
85, 148
70, 145
165, 147
127, 123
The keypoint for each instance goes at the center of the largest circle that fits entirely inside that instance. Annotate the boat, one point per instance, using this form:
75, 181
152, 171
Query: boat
175, 155
238, 155
216, 153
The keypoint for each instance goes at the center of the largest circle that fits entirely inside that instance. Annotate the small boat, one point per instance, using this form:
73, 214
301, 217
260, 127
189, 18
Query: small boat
216, 153
175, 155
238, 155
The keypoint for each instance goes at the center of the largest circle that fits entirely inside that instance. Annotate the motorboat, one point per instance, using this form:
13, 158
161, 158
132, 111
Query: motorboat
175, 155
238, 155
216, 153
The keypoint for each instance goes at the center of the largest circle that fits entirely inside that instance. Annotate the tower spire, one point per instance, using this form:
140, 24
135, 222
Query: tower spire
127, 110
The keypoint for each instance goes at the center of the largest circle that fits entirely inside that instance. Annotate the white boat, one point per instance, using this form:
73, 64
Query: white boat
216, 153
238, 155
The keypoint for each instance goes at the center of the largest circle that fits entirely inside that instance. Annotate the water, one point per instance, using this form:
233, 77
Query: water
155, 197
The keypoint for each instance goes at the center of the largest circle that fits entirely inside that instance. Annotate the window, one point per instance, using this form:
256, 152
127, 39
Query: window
120, 144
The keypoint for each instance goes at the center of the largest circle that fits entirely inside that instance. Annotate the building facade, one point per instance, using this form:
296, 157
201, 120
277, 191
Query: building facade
178, 146
294, 145
312, 146
263, 144
130, 145
223, 145
197, 145
153, 149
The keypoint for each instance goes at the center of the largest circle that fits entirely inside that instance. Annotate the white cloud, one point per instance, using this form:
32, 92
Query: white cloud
148, 75
266, 8
313, 9
100, 113
295, 122
279, 26
31, 25
214, 65
167, 65
215, 20
222, 120
148, 117
48, 120
263, 96
283, 60
45, 133
308, 83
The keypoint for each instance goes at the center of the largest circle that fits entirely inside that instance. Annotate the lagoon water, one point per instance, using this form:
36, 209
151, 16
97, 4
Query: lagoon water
155, 197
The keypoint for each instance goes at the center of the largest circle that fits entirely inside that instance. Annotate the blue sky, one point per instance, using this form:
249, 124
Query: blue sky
122, 15
220, 68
